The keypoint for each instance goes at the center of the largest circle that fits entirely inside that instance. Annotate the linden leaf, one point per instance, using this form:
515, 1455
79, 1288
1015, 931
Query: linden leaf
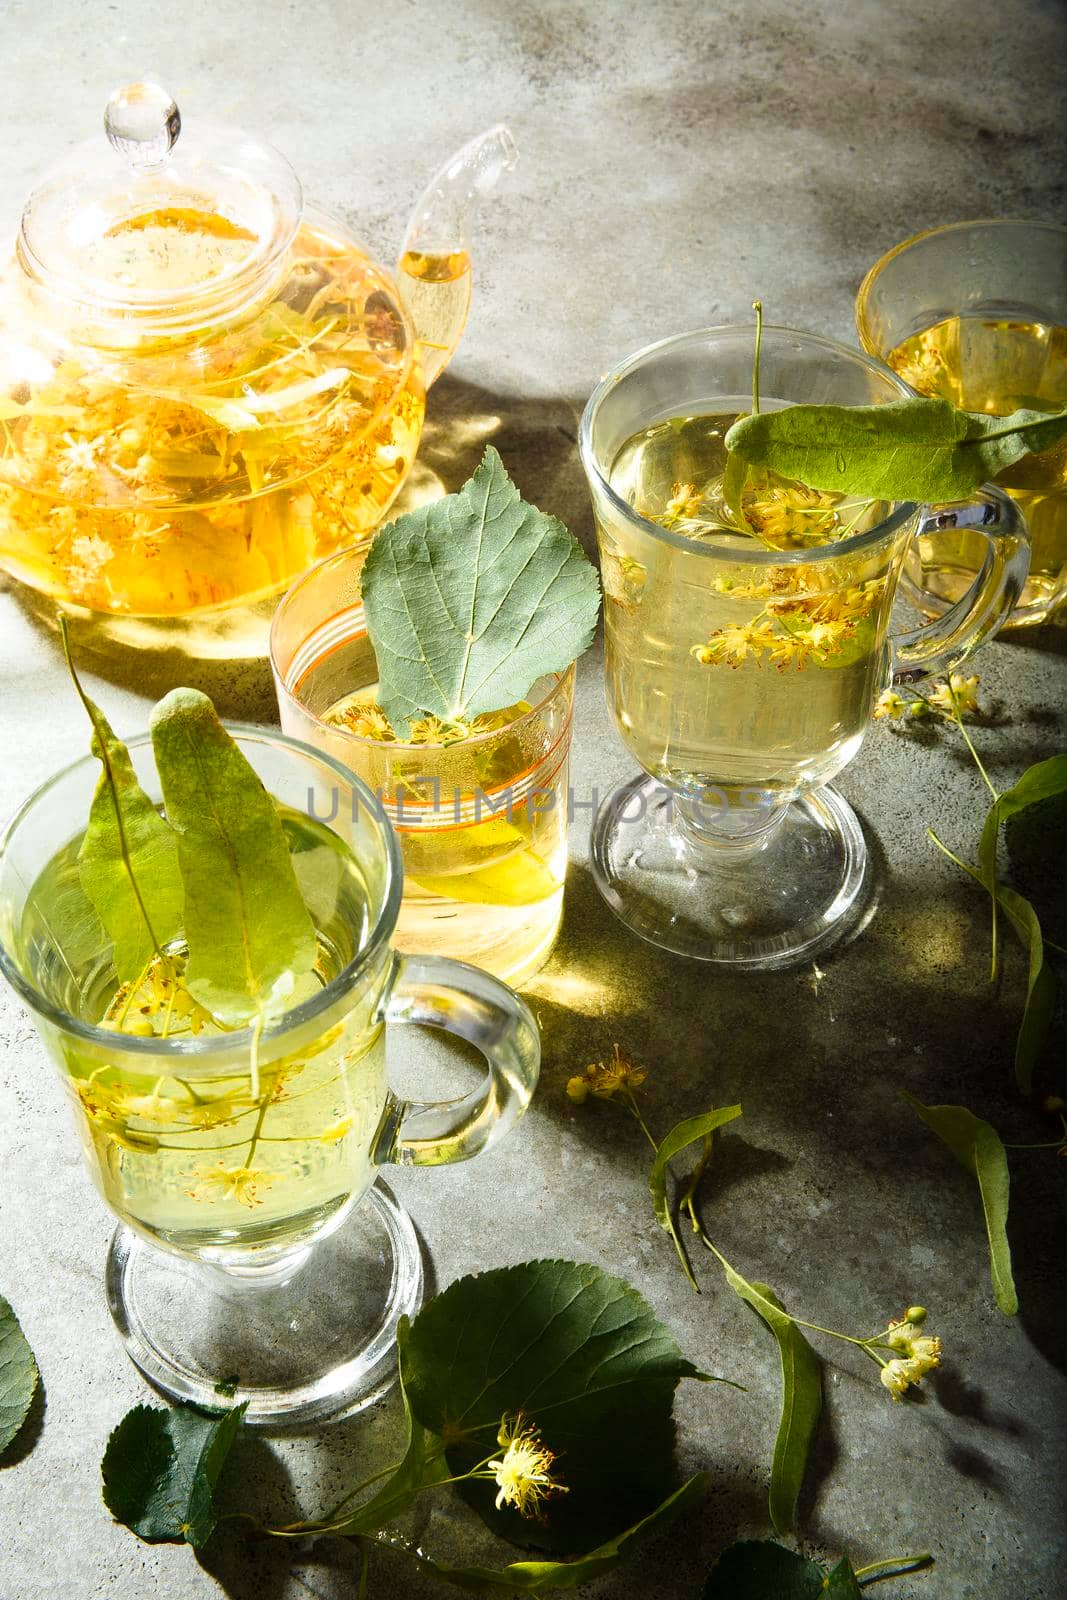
918, 449
1041, 987
678, 1139
801, 1397
160, 1469
978, 1148
249, 931
18, 1375
535, 1577
584, 1360
128, 858
471, 599
1044, 782
758, 1569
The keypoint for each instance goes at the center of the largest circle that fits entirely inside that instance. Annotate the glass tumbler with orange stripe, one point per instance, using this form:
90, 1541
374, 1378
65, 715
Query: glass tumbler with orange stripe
481, 813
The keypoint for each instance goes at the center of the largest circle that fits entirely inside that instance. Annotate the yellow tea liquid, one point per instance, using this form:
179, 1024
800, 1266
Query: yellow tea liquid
733, 674
482, 823
201, 475
221, 1163
998, 365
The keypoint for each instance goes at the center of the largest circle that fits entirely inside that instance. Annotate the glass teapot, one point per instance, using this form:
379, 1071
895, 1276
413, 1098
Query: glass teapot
206, 386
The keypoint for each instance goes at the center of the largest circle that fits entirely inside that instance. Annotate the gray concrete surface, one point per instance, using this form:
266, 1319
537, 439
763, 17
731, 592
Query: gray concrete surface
677, 159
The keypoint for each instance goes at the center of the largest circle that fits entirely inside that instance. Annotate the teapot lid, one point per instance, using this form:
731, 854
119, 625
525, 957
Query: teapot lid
145, 221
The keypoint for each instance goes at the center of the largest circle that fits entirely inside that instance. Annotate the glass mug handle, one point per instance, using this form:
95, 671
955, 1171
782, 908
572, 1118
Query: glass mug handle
940, 643
469, 1003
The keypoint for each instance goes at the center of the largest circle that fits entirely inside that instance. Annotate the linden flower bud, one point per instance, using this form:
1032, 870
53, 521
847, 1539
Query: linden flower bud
915, 1314
578, 1090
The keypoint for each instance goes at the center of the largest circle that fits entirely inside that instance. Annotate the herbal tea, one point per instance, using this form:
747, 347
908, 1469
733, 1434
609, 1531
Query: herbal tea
997, 366
480, 810
727, 673
189, 475
248, 1156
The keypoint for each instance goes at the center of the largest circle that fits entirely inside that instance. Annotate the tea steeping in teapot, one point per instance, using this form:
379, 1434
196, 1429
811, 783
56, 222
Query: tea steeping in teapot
204, 385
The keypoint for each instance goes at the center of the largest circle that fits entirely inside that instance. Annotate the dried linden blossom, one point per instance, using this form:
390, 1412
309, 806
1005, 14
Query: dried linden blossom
367, 720
791, 631
243, 1184
604, 1079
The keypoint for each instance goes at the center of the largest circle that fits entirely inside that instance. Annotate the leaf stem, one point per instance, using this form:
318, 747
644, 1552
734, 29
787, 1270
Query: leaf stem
896, 1565
105, 761
757, 306
688, 1194
635, 1111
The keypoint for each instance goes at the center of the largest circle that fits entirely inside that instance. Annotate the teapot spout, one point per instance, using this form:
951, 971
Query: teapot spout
435, 264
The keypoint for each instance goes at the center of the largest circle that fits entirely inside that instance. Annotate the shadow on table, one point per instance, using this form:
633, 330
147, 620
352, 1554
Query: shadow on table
818, 1063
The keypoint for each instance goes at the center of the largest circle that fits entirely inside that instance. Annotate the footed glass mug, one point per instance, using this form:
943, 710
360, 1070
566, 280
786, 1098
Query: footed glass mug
255, 1244
741, 677
977, 312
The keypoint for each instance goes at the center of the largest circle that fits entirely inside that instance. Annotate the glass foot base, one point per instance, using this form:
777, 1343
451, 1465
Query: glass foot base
300, 1340
776, 903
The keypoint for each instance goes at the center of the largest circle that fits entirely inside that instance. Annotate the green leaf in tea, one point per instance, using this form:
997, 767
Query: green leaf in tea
573, 1352
681, 1136
979, 1150
128, 860
538, 1577
917, 449
471, 599
160, 1469
18, 1376
801, 1397
248, 929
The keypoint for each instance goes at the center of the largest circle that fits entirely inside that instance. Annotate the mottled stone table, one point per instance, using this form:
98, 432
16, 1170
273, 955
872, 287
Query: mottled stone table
677, 159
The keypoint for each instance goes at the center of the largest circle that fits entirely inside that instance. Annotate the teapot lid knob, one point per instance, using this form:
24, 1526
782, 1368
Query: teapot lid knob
142, 123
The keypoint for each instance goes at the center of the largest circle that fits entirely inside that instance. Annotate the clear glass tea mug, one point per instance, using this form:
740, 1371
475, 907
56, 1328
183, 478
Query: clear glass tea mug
977, 312
742, 678
254, 1241
482, 820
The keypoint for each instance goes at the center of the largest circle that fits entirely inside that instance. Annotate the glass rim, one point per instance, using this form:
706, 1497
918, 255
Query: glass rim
902, 511
562, 679
192, 1046
877, 268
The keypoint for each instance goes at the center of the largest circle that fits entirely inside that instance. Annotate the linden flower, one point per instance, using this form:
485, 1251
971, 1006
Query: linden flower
89, 553
684, 503
431, 730
733, 644
889, 704
959, 694
364, 719
783, 512
603, 1079
77, 458
243, 1184
919, 1353
523, 1472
